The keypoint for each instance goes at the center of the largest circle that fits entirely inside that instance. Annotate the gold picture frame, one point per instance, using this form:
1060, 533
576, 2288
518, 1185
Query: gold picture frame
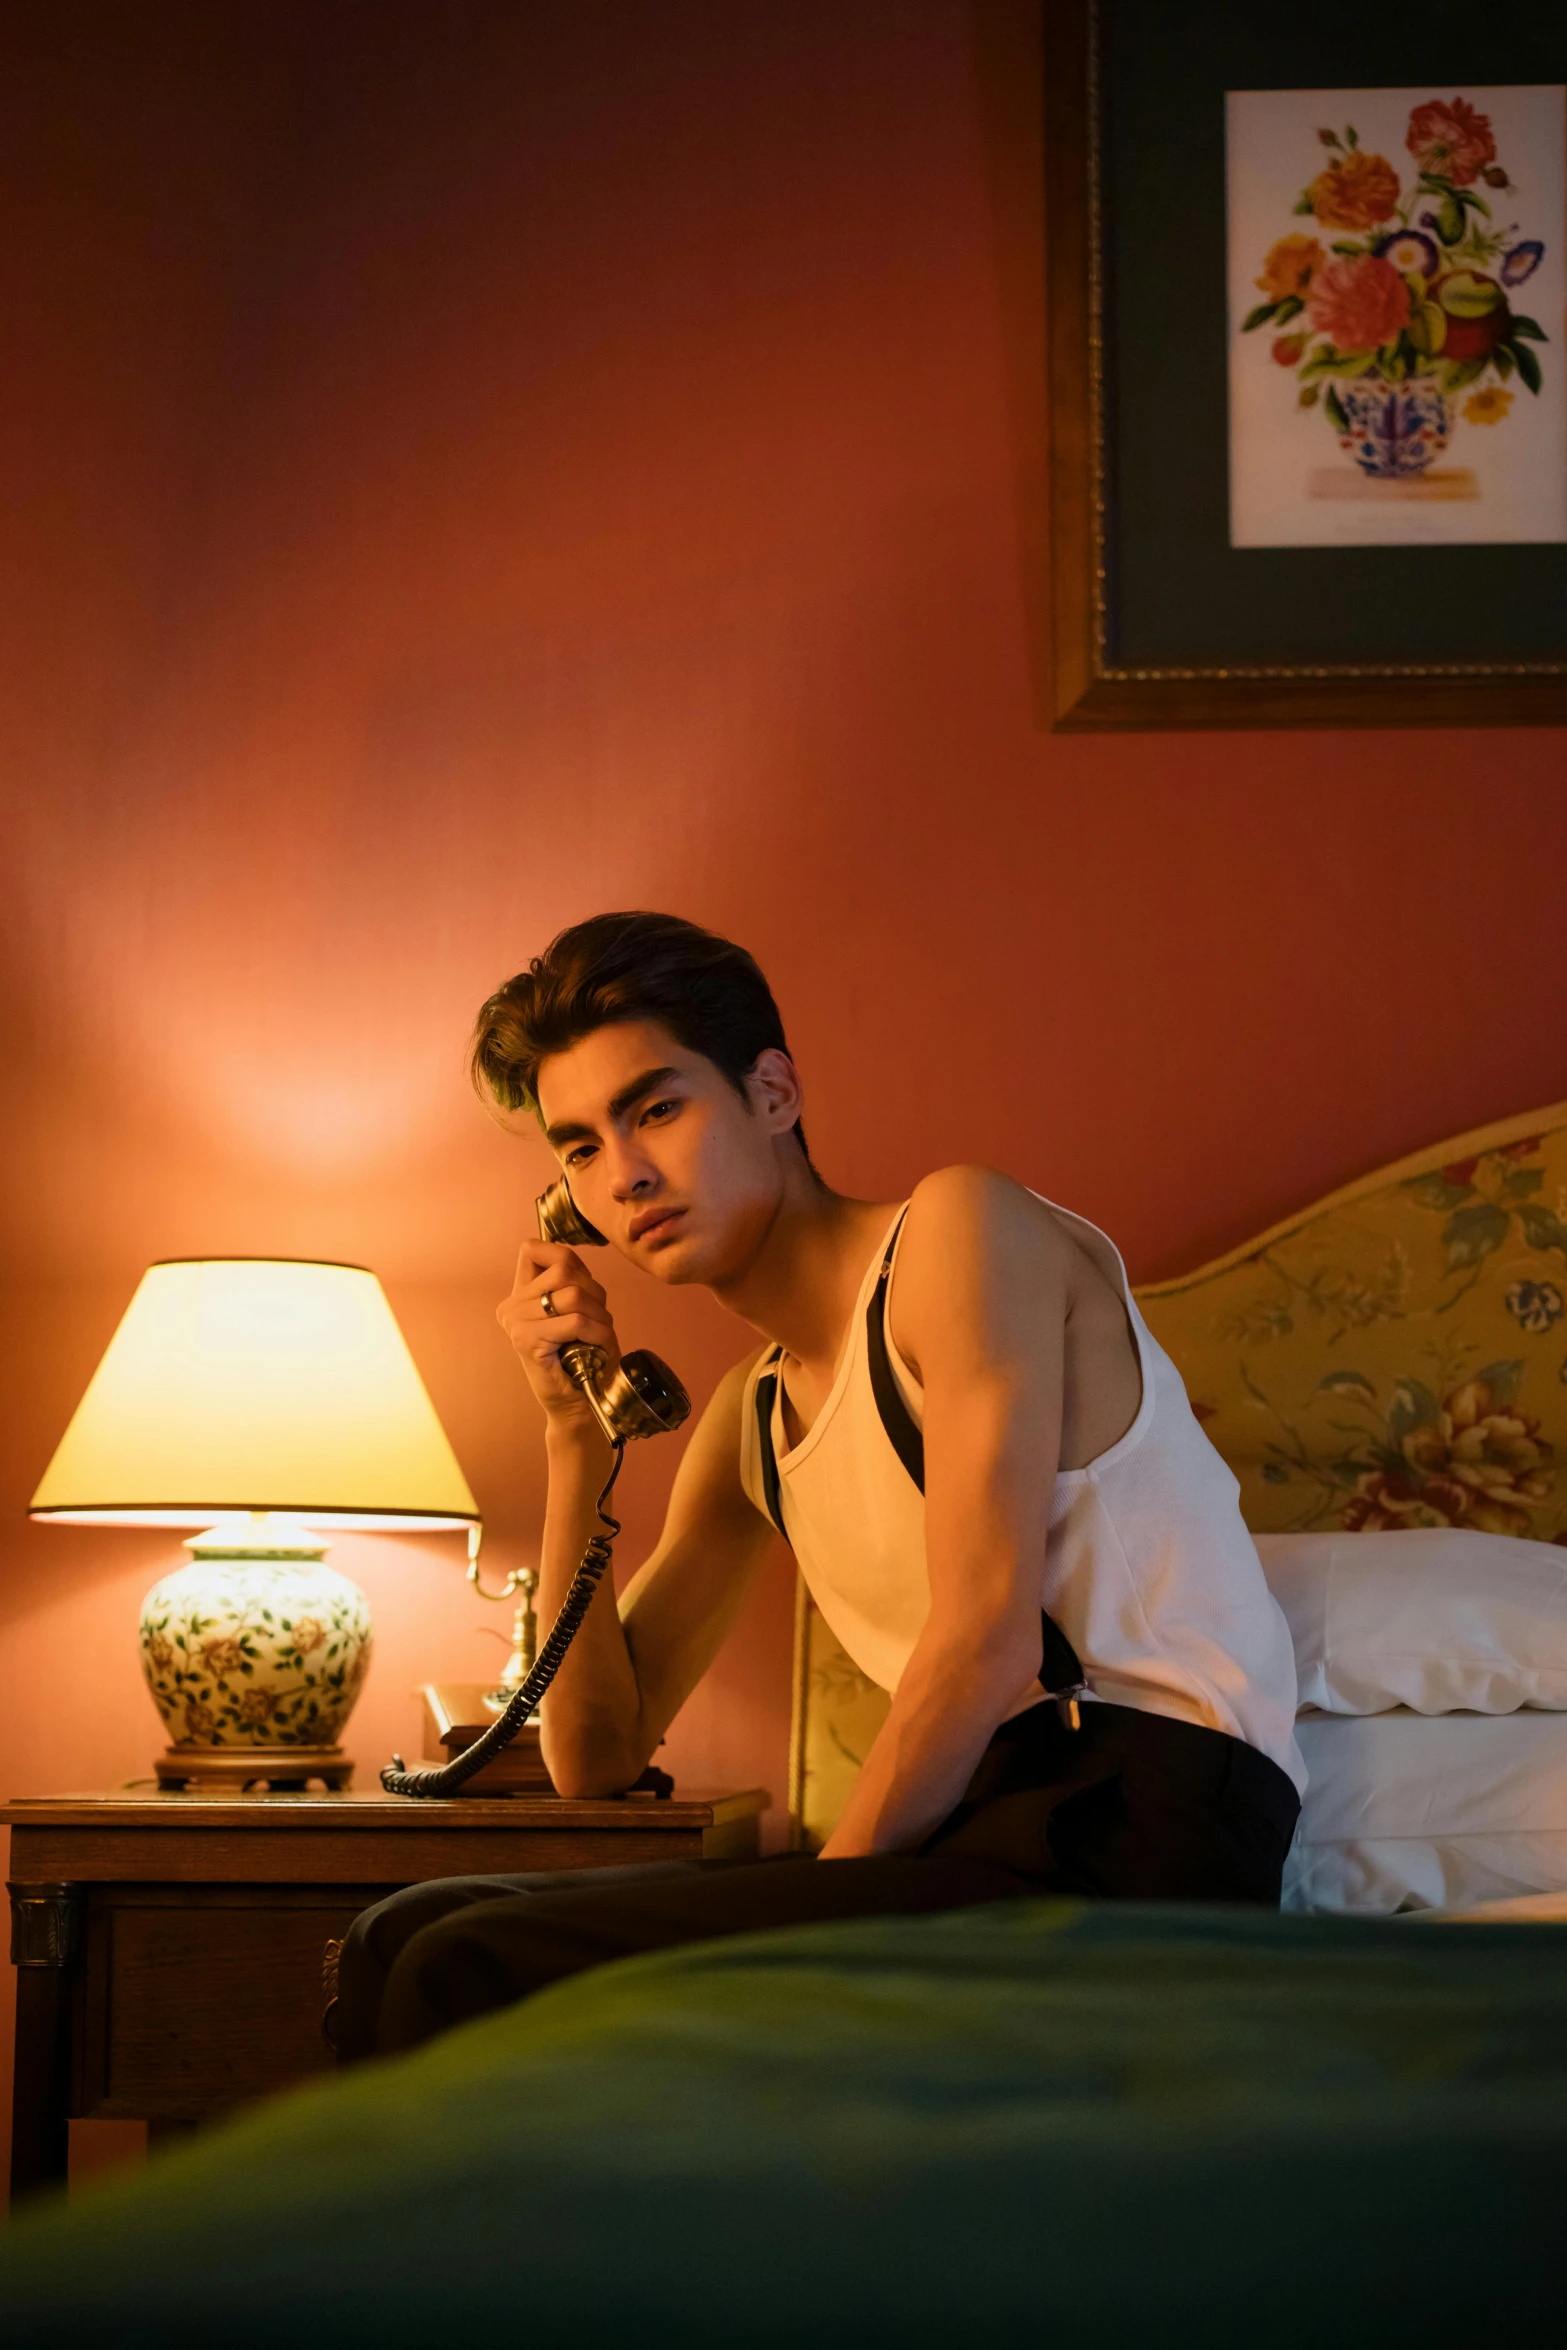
1095, 685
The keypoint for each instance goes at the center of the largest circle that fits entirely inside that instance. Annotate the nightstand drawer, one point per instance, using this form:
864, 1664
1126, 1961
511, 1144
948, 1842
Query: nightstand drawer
188, 2011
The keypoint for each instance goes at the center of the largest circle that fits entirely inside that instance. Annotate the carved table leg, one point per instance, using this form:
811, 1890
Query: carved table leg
46, 1938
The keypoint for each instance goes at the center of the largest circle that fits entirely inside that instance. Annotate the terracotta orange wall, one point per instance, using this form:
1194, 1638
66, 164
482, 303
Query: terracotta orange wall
469, 466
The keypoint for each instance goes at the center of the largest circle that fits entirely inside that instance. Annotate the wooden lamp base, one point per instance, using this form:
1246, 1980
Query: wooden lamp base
231, 1769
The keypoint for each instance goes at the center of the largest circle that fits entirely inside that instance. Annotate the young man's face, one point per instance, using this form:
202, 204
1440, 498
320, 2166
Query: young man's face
677, 1172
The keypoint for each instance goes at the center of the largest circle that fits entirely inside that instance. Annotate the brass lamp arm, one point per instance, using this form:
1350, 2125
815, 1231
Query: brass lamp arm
513, 1582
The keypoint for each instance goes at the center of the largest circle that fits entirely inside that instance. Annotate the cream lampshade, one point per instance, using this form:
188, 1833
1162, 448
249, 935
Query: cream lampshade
260, 1399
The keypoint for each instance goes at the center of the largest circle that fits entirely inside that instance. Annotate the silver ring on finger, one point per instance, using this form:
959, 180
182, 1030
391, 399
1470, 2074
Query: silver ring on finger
547, 1304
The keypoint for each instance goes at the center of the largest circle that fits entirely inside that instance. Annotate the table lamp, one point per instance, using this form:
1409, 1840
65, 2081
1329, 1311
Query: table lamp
260, 1399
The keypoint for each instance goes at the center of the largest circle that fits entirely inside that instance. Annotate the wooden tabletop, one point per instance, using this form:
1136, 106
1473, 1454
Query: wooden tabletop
129, 1808
125, 1836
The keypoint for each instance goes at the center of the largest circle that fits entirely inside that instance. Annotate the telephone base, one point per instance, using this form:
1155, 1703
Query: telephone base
230, 1770
458, 1712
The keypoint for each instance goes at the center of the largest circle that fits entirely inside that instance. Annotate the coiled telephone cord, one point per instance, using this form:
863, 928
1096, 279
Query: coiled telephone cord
451, 1777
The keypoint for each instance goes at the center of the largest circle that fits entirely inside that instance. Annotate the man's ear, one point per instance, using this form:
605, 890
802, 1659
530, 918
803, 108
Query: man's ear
774, 1090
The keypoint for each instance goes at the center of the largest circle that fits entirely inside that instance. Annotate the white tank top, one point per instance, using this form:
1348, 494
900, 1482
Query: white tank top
1149, 1569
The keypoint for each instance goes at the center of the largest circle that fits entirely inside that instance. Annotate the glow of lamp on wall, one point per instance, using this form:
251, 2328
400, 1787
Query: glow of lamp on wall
261, 1400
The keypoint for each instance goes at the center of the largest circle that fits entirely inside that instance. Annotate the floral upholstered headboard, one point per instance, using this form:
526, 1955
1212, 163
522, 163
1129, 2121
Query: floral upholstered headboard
1394, 1356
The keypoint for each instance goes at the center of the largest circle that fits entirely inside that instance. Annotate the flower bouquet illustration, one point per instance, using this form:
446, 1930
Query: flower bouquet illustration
1404, 320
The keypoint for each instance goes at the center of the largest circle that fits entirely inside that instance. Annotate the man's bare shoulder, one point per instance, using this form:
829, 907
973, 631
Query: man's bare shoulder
979, 1207
729, 1394
984, 1267
710, 1466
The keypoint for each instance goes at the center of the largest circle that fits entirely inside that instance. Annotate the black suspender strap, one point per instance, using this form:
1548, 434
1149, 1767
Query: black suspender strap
1061, 1670
903, 1432
766, 1390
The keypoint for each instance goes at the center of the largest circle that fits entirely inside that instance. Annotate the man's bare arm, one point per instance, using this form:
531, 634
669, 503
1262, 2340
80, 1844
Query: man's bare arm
980, 1302
617, 1690
630, 1669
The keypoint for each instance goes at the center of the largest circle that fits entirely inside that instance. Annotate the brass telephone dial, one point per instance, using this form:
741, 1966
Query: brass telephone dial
640, 1397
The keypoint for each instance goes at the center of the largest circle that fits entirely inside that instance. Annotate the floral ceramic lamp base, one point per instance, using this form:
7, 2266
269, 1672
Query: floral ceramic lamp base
255, 1654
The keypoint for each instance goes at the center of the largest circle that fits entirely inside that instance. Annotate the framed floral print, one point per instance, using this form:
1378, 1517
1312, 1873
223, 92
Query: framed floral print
1308, 365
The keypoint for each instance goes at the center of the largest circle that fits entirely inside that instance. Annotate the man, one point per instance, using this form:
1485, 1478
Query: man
988, 1469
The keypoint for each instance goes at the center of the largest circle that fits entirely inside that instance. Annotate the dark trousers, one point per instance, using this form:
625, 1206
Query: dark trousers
1130, 1807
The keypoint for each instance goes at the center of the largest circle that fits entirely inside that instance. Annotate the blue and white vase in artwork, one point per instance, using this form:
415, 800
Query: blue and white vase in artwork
1394, 429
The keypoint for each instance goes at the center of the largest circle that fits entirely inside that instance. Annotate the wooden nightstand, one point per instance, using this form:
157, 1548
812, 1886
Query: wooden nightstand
169, 1947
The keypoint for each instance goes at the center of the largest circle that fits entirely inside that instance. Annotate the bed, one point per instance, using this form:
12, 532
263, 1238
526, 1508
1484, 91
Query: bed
1036, 2120
1109, 2122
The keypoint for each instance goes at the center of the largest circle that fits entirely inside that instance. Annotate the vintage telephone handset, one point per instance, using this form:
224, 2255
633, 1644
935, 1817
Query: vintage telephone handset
640, 1397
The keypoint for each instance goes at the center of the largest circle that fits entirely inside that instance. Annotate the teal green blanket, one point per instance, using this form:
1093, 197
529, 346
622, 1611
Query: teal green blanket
1095, 2125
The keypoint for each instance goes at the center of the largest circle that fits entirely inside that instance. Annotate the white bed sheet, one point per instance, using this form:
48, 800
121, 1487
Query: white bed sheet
1409, 1811
1525, 1909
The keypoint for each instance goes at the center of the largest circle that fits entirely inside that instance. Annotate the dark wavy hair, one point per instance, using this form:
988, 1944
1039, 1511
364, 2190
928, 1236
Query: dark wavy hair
709, 994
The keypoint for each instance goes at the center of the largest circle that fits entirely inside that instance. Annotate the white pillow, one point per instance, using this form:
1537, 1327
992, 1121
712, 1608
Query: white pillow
1407, 1812
1440, 1620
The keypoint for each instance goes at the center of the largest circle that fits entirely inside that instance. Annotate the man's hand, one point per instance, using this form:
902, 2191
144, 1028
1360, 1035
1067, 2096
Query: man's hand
578, 1309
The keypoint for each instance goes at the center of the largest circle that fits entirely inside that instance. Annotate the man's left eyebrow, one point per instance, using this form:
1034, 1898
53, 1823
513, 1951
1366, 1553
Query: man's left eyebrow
629, 1095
